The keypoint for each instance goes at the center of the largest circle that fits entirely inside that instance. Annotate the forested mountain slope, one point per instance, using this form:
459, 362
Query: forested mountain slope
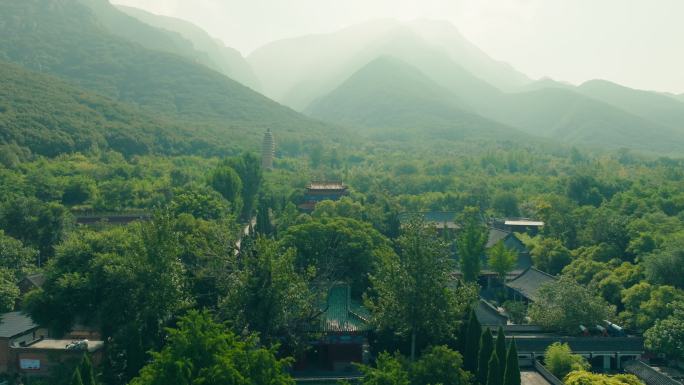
50, 117
388, 93
65, 38
648, 105
224, 59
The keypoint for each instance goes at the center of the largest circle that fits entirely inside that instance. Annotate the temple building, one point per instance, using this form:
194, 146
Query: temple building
322, 191
267, 150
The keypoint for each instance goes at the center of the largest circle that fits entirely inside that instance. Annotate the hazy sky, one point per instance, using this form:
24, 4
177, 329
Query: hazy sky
638, 43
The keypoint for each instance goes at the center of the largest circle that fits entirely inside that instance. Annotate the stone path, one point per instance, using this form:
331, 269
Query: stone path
532, 378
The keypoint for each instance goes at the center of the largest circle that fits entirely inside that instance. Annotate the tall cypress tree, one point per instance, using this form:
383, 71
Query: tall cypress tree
86, 369
76, 378
494, 371
501, 351
472, 348
486, 348
512, 374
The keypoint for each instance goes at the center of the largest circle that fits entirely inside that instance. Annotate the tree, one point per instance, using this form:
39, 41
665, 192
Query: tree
227, 182
263, 219
582, 377
505, 203
202, 202
472, 346
202, 351
9, 292
413, 294
269, 297
494, 370
486, 349
439, 365
516, 311
34, 223
470, 243
500, 349
512, 372
340, 249
553, 311
388, 370
86, 370
560, 361
666, 266
15, 257
248, 167
76, 378
502, 260
128, 281
667, 335
549, 255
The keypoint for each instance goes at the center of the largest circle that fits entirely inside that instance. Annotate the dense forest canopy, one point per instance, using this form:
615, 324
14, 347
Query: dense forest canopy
221, 274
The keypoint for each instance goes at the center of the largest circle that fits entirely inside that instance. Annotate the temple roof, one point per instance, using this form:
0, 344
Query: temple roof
648, 374
343, 314
14, 324
529, 282
326, 186
488, 315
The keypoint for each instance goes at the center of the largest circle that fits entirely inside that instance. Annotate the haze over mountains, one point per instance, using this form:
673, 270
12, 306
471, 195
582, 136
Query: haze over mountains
423, 76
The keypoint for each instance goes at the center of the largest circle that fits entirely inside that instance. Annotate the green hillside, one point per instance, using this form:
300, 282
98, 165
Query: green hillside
50, 117
388, 93
653, 106
65, 38
224, 59
575, 119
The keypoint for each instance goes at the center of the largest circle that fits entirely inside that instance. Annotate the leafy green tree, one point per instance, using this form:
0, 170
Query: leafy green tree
78, 191
506, 204
666, 266
227, 182
486, 349
502, 260
559, 360
338, 248
248, 167
14, 256
388, 370
516, 311
512, 372
34, 223
667, 335
470, 243
582, 377
413, 294
550, 255
128, 282
644, 304
472, 344
269, 297
439, 365
9, 292
494, 370
199, 201
202, 351
553, 311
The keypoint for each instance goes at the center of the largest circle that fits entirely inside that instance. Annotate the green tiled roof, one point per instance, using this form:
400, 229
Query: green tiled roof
343, 314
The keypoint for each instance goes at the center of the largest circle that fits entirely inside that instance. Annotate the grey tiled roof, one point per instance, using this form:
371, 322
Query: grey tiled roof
14, 324
529, 282
539, 343
647, 374
495, 236
488, 315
